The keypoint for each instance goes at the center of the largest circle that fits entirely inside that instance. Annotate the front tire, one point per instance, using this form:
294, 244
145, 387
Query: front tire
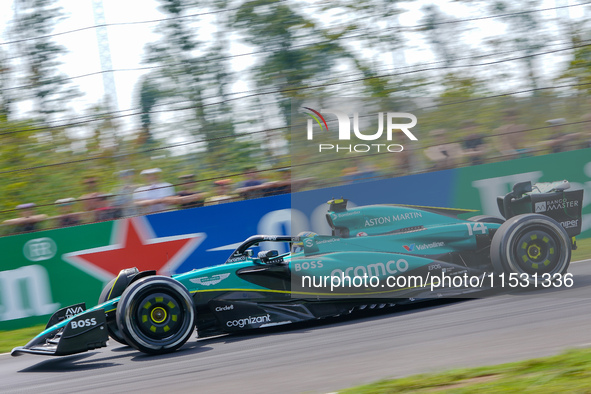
112, 328
156, 315
531, 244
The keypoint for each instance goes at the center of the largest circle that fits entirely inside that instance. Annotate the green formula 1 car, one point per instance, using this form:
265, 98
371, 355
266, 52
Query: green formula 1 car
387, 244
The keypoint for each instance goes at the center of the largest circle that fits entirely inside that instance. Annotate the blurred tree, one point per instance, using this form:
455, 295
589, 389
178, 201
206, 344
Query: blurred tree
374, 25
148, 97
461, 85
5, 78
295, 50
445, 35
217, 114
525, 33
374, 22
442, 34
34, 22
189, 70
578, 67
179, 71
17, 150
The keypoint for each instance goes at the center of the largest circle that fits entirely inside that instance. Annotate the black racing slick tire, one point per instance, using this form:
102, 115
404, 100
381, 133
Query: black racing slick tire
114, 289
112, 328
531, 244
486, 219
156, 315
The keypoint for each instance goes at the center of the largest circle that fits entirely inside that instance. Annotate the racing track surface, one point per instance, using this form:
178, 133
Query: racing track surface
332, 355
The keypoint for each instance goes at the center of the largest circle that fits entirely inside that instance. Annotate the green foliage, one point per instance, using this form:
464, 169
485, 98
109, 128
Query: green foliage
5, 75
296, 51
526, 34
33, 25
578, 70
148, 97
460, 85
441, 34
188, 71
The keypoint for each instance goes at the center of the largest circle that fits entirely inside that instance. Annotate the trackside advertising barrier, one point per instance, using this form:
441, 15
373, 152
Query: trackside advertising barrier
43, 271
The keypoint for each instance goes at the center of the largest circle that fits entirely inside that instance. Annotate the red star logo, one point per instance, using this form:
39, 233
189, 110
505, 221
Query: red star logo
133, 244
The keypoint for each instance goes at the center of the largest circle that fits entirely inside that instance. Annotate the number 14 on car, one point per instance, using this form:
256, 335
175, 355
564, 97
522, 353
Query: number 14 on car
476, 228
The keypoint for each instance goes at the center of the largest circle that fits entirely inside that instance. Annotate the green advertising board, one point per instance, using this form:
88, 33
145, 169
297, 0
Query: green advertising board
35, 280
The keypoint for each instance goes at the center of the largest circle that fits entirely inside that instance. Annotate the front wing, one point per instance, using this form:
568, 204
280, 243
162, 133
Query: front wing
80, 333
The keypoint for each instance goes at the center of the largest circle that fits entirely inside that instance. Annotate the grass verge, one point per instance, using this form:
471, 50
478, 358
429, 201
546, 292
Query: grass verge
569, 372
11, 339
583, 251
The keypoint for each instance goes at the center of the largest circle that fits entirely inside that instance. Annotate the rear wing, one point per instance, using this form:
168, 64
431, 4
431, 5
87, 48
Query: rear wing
550, 199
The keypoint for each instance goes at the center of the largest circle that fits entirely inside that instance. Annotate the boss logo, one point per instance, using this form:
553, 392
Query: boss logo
83, 323
308, 265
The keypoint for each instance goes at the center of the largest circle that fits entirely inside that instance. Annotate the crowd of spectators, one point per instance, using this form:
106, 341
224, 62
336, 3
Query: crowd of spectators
512, 140
441, 150
472, 144
27, 221
153, 195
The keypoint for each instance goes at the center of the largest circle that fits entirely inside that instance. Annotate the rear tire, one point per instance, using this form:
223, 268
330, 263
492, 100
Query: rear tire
531, 244
156, 315
486, 219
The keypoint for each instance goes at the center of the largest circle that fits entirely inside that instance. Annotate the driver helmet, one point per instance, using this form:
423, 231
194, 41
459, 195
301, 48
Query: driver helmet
298, 244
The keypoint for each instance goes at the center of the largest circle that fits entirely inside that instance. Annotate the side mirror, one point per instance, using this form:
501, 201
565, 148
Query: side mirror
519, 189
267, 255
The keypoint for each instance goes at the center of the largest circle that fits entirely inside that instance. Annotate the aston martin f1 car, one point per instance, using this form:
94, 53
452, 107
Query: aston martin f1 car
157, 314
